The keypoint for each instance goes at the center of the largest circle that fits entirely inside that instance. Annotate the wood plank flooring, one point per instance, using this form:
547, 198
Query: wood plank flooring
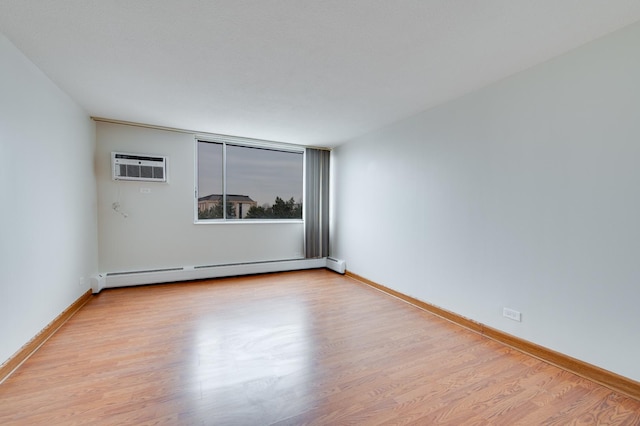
297, 348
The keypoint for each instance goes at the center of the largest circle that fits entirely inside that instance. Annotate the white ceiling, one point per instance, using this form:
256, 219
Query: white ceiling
315, 72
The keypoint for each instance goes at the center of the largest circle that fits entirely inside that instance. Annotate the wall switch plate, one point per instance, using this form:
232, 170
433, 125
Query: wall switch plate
512, 314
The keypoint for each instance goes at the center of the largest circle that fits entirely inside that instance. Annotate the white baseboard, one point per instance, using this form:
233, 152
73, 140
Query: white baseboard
187, 273
337, 265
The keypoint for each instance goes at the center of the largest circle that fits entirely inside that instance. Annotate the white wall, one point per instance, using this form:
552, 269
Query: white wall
159, 231
524, 195
48, 219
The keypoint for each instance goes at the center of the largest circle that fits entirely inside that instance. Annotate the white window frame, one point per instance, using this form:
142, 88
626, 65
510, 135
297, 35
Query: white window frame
249, 143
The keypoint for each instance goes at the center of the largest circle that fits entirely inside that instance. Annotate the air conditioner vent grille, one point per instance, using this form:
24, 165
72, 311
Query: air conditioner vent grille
138, 167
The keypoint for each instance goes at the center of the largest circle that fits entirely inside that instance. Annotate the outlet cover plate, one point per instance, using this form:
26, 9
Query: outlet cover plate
512, 314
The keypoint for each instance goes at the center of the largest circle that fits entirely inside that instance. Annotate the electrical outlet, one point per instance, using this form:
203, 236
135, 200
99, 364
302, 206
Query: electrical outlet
82, 282
512, 314
145, 190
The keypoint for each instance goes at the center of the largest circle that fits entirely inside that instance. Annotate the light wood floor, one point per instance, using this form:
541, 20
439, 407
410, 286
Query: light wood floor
309, 347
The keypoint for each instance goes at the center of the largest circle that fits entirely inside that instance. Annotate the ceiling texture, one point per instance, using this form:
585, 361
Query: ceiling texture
311, 72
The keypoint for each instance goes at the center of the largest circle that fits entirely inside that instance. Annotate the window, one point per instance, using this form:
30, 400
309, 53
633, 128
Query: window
242, 182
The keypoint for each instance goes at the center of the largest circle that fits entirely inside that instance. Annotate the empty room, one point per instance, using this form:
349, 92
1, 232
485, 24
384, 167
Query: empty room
297, 212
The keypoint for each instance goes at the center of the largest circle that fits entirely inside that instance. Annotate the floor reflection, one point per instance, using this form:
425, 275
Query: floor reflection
250, 362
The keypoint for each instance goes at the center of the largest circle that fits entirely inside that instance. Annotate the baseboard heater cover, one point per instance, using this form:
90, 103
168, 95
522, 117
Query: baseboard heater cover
155, 276
337, 265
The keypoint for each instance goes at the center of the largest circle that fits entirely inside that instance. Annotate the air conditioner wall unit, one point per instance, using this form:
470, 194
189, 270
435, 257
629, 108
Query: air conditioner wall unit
138, 167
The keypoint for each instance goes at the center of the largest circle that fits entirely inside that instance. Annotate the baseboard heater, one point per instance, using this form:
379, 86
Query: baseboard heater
187, 273
337, 265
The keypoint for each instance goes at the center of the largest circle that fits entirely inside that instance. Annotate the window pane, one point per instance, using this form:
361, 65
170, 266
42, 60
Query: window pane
264, 183
209, 180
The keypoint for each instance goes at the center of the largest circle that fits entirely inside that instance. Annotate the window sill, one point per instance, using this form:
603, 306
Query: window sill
247, 221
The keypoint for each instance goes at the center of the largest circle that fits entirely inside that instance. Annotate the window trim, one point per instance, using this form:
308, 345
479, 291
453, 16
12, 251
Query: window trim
248, 143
